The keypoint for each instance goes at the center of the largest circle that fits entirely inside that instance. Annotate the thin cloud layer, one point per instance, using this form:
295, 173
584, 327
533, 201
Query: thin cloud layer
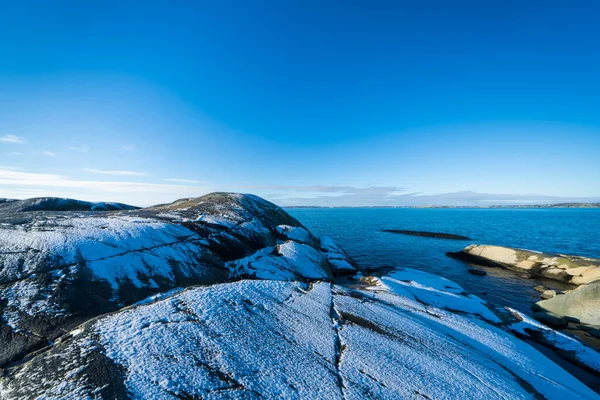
178, 180
12, 139
344, 196
19, 184
112, 172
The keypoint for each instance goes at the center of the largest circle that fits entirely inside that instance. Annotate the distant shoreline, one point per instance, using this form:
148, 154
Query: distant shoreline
558, 205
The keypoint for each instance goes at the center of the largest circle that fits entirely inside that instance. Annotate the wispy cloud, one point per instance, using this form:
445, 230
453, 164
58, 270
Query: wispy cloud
111, 172
49, 153
128, 148
19, 184
334, 195
80, 149
12, 139
176, 180
349, 196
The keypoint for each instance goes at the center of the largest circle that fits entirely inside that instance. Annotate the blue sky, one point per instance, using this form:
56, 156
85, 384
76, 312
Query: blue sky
308, 102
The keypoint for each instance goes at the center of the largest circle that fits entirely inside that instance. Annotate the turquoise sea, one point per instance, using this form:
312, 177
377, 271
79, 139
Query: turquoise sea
358, 230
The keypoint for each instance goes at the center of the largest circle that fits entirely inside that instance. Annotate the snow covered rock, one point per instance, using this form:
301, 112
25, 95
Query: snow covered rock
436, 291
276, 339
59, 204
339, 260
62, 264
567, 345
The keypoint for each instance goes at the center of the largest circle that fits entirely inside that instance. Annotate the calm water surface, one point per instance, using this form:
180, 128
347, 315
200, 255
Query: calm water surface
358, 230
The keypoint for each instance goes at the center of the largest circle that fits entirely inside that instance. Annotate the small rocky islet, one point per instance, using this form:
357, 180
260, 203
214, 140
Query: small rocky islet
228, 296
435, 235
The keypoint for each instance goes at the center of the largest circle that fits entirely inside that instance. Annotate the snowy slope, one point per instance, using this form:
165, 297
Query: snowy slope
275, 339
59, 268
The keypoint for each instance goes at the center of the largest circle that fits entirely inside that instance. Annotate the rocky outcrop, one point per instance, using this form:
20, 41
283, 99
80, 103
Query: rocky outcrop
275, 339
62, 264
228, 296
581, 304
569, 269
436, 235
58, 204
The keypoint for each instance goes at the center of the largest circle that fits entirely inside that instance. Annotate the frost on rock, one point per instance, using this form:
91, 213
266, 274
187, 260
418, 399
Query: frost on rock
339, 260
95, 305
297, 234
59, 204
435, 291
61, 264
276, 339
287, 261
530, 328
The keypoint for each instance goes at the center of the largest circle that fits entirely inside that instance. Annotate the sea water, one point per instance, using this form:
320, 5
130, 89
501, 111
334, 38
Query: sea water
358, 230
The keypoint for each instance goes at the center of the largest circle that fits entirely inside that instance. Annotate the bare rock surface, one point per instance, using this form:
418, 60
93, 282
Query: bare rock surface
564, 268
583, 304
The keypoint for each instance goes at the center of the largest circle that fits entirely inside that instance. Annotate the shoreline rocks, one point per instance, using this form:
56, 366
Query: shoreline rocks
581, 304
564, 268
436, 235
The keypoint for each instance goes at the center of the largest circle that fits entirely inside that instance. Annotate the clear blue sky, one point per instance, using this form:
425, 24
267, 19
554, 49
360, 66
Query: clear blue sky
307, 102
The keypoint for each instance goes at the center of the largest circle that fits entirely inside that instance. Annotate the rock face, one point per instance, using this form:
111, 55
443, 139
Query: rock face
62, 264
275, 339
569, 269
436, 235
582, 303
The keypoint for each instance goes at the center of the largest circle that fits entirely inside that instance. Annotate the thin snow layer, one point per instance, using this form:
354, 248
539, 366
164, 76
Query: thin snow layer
232, 340
529, 327
219, 220
113, 248
435, 291
337, 257
398, 348
287, 261
296, 233
276, 339
32, 298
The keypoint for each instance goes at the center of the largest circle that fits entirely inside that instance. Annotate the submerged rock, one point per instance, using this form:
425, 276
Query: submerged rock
569, 269
436, 235
479, 272
61, 264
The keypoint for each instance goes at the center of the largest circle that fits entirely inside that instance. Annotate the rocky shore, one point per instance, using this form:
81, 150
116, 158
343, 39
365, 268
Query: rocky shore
228, 296
579, 306
564, 268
